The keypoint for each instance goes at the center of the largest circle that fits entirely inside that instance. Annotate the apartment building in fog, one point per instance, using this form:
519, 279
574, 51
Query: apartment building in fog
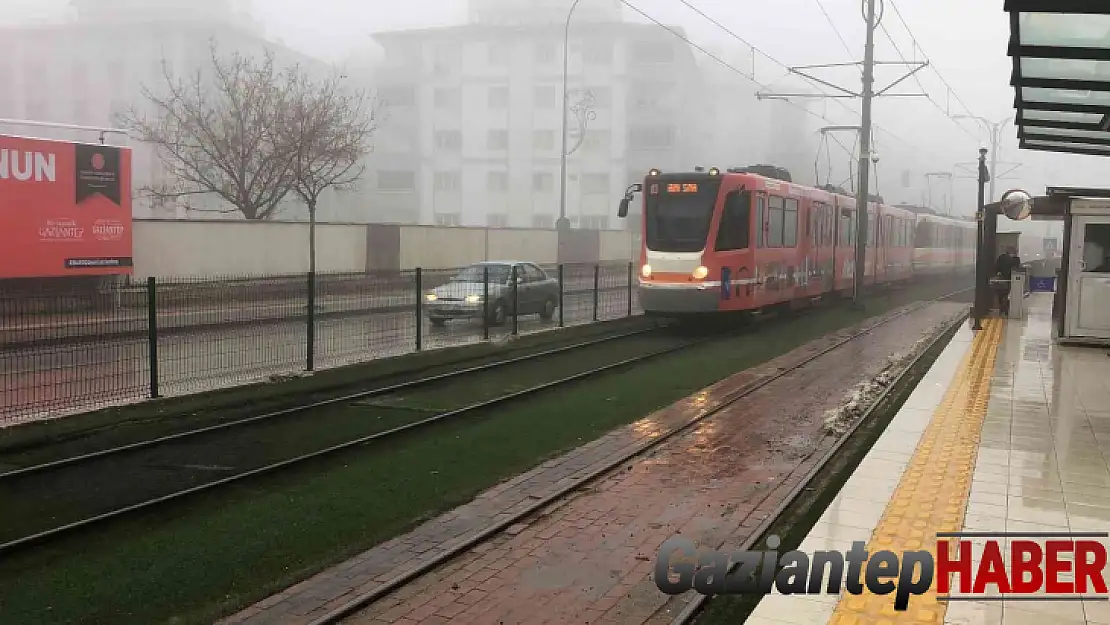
472, 129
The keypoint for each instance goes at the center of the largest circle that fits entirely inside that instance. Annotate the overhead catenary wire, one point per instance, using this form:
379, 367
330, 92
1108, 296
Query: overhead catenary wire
829, 19
918, 48
756, 50
721, 61
924, 90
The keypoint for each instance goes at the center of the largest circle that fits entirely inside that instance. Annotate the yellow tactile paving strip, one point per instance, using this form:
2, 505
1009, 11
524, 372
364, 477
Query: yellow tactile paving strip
933, 492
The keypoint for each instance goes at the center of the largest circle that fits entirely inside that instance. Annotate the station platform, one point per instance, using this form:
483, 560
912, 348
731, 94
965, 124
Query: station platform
1008, 432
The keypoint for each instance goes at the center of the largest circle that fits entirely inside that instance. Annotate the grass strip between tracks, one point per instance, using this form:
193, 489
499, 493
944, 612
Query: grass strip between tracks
191, 564
799, 517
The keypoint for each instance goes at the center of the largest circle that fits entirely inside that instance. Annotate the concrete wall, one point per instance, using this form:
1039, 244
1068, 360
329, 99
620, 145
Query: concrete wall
188, 248
168, 249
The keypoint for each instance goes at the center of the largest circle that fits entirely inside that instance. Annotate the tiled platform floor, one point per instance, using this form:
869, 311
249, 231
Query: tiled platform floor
1043, 431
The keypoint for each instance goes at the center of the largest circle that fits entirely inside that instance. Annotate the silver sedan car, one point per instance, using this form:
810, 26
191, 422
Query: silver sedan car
462, 297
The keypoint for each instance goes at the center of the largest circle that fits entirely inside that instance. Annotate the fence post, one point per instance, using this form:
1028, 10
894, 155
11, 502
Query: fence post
310, 352
419, 309
152, 332
516, 317
485, 302
630, 279
561, 289
597, 276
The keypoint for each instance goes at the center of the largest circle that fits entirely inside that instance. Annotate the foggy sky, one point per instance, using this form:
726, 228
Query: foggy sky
964, 39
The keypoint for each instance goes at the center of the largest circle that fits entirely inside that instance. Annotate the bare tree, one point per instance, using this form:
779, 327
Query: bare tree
220, 134
328, 131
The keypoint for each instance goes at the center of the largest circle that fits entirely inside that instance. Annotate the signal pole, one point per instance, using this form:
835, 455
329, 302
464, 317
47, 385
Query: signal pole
868, 94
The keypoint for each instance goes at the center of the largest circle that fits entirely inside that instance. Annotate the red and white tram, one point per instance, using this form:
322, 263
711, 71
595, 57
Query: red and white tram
738, 240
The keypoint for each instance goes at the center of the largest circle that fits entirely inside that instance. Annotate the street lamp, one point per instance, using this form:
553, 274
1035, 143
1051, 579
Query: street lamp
563, 223
995, 130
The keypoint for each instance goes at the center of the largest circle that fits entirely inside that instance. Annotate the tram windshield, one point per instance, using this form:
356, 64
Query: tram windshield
677, 214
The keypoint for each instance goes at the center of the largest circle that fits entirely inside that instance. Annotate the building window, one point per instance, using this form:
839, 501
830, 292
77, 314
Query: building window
448, 139
603, 97
498, 53
396, 180
543, 139
650, 137
446, 98
545, 97
546, 222
543, 182
448, 219
652, 52
443, 59
498, 140
497, 181
448, 181
594, 222
597, 141
497, 220
598, 51
545, 53
650, 94
595, 184
398, 96
498, 97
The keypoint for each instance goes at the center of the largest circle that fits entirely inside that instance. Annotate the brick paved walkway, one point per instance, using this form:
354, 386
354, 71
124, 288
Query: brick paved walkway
587, 558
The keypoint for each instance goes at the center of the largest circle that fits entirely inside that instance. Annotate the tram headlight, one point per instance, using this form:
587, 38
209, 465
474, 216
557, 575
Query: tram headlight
645, 271
473, 299
700, 273
431, 297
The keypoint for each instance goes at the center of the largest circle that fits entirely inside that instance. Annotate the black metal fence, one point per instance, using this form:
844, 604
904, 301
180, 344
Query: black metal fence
69, 350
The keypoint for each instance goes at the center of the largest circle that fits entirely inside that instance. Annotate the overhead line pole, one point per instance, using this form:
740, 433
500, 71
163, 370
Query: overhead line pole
864, 156
868, 94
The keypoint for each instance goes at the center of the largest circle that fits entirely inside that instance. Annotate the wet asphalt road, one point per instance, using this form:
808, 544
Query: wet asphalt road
45, 381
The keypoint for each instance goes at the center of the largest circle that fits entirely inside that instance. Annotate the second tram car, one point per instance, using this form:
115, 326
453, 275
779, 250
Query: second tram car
740, 240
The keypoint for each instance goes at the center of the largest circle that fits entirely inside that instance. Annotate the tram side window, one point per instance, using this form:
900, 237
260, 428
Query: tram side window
790, 224
814, 224
774, 222
922, 236
761, 221
734, 231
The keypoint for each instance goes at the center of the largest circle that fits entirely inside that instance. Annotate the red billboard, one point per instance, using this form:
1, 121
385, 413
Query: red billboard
65, 208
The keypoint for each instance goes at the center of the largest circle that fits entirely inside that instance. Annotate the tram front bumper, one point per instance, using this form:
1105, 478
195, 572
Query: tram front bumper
701, 297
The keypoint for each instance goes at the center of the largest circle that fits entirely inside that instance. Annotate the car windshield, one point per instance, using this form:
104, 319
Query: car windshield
474, 273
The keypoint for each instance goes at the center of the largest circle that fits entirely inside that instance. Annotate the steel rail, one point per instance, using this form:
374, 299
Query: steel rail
375, 392
53, 533
695, 606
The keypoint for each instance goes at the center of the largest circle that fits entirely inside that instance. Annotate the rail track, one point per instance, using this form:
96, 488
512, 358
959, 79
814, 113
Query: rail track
698, 603
46, 501
363, 600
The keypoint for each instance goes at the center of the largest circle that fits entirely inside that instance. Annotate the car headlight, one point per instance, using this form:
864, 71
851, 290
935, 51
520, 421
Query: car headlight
700, 273
473, 299
431, 297
645, 271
